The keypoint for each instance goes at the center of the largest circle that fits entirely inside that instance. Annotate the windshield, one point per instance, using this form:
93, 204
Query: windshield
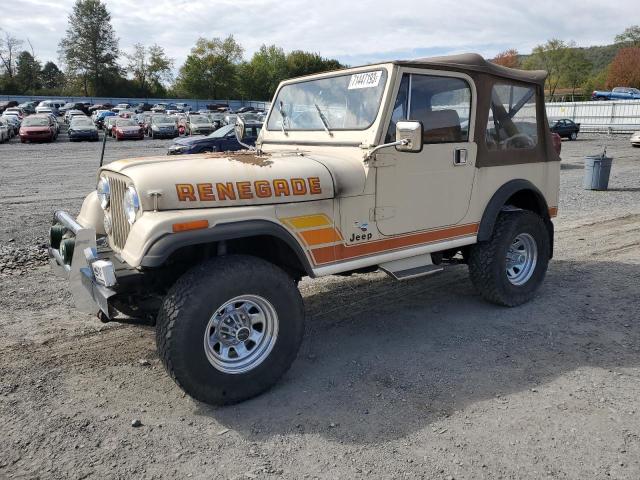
81, 122
222, 131
199, 120
35, 122
162, 119
344, 102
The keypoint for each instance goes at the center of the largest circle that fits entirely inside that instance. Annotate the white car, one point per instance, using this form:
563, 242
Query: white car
47, 106
72, 113
4, 130
635, 139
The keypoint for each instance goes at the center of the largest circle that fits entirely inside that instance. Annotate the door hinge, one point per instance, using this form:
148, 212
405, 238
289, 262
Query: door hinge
382, 213
383, 161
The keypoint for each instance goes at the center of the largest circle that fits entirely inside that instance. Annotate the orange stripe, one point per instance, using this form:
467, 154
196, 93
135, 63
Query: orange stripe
553, 211
194, 225
320, 236
342, 252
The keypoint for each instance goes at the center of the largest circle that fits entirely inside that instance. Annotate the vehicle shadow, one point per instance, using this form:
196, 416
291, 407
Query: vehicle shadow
382, 359
630, 189
571, 166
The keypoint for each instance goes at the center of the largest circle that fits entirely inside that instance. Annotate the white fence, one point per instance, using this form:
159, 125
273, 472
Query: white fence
607, 117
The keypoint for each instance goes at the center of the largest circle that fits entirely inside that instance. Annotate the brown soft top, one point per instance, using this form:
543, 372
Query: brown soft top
475, 62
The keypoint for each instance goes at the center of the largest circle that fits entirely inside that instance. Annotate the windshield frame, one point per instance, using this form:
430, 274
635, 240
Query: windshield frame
386, 78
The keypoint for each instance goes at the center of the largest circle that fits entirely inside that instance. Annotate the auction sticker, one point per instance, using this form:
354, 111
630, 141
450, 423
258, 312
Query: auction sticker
365, 80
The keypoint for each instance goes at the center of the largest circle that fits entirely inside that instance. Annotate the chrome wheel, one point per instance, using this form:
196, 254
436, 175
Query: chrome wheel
522, 257
241, 334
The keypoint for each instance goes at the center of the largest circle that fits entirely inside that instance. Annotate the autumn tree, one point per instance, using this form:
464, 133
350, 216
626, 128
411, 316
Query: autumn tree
508, 58
90, 46
624, 70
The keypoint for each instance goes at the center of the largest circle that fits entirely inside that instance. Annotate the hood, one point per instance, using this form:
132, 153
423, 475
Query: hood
193, 139
35, 129
225, 180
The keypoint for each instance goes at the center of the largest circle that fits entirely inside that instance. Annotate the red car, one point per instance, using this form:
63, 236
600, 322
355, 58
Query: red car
38, 128
557, 142
127, 128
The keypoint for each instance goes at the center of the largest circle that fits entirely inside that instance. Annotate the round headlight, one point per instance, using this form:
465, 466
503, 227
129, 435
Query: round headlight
108, 224
131, 204
104, 192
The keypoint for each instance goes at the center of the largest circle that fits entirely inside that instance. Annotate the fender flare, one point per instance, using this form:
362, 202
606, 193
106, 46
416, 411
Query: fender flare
499, 200
163, 247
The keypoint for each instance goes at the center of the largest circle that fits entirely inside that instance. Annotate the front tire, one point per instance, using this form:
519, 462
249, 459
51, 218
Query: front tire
509, 267
230, 328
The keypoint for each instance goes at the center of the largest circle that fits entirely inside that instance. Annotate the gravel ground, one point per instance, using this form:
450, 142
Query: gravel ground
419, 379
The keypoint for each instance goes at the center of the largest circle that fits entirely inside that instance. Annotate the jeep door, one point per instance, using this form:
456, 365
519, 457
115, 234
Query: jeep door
432, 188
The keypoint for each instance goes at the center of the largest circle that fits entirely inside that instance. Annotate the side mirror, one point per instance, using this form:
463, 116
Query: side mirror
410, 133
240, 128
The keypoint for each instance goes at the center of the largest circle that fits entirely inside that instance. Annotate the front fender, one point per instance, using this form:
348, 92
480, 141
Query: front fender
91, 214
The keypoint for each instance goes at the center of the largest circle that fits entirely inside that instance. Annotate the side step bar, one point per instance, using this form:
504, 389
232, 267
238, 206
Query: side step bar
411, 267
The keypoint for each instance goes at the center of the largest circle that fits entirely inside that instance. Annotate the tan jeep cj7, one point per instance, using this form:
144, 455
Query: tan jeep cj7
406, 166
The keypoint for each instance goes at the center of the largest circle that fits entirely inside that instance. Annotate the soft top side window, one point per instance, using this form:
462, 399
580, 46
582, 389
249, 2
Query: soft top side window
512, 121
441, 103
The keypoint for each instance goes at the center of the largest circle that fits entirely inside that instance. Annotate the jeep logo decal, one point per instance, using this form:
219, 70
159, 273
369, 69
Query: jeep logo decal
221, 191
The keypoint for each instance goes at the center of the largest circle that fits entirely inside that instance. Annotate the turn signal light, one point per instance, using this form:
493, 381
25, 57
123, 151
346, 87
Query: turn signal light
194, 225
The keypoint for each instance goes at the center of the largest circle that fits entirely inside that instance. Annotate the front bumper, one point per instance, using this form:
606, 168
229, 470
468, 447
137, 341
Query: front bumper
89, 295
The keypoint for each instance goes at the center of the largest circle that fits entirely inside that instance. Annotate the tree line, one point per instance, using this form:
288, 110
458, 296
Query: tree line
92, 64
572, 69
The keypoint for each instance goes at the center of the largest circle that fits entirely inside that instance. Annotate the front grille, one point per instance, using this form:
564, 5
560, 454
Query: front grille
121, 227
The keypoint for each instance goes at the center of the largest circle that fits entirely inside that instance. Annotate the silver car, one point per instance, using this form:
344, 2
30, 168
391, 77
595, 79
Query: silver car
635, 139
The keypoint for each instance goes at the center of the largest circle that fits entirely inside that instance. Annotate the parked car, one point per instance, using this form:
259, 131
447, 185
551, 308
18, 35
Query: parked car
557, 142
15, 110
121, 106
163, 126
245, 109
55, 121
109, 124
618, 93
183, 107
14, 123
635, 139
198, 125
38, 128
7, 104
100, 106
82, 128
142, 107
565, 128
127, 129
102, 116
82, 106
29, 107
4, 130
53, 105
69, 114
222, 140
159, 108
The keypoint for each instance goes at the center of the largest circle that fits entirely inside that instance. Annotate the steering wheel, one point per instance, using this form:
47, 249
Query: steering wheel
519, 140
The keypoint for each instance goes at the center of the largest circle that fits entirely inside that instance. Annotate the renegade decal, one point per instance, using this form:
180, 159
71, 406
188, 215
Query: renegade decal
279, 187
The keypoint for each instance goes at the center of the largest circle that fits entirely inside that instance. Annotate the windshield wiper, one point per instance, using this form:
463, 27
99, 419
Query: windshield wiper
324, 120
283, 114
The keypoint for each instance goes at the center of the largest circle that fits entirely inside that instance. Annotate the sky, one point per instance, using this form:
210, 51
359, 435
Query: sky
355, 32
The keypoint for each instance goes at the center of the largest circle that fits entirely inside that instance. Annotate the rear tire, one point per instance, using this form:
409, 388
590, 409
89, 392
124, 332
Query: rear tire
212, 305
573, 136
509, 267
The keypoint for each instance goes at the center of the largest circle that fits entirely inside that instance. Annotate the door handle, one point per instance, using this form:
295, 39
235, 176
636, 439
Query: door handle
459, 157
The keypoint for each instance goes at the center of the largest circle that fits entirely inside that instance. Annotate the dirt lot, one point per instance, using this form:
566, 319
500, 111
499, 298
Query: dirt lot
419, 379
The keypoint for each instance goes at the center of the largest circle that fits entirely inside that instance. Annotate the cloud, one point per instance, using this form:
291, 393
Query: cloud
353, 32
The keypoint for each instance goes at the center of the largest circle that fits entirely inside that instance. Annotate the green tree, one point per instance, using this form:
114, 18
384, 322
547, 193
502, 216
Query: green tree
550, 57
90, 46
630, 37
305, 63
150, 68
576, 69
210, 69
52, 77
259, 78
27, 72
